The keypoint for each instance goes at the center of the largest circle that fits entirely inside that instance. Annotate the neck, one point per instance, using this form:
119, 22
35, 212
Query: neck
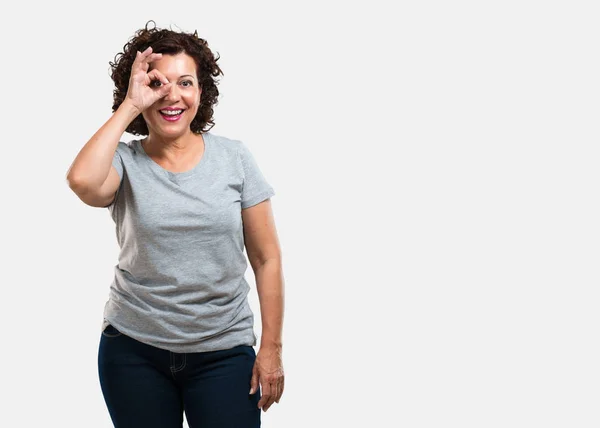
174, 148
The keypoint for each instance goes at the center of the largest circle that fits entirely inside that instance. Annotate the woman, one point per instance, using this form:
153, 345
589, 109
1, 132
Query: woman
177, 335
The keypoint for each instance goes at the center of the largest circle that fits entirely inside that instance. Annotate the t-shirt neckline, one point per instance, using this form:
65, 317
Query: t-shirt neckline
178, 175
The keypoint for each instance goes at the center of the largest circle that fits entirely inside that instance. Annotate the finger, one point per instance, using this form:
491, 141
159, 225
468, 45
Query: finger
157, 75
280, 389
147, 52
152, 57
266, 391
275, 394
254, 380
138, 62
142, 59
271, 398
141, 56
276, 387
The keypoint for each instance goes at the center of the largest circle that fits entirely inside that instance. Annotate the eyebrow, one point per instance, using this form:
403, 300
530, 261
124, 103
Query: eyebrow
183, 75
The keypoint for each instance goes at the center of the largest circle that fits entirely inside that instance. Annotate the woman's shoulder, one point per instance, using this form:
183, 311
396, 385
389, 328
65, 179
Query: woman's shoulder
127, 147
222, 139
226, 144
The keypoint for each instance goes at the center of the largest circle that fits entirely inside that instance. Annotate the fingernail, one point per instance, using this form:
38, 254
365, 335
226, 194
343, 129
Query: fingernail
250, 391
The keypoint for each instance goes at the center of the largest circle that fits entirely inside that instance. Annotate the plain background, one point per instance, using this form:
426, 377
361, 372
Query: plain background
436, 174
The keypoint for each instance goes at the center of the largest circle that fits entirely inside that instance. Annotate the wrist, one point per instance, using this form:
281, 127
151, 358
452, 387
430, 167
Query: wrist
128, 108
271, 344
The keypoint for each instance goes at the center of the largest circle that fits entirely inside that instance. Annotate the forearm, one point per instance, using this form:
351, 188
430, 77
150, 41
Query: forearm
92, 165
270, 286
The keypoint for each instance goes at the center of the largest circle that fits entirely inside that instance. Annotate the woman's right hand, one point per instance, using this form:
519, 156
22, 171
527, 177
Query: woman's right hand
142, 93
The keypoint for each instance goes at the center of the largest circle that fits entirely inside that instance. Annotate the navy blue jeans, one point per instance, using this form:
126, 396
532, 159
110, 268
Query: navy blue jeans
149, 387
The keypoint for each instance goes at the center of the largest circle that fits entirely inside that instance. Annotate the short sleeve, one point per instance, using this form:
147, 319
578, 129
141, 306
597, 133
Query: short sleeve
117, 162
255, 188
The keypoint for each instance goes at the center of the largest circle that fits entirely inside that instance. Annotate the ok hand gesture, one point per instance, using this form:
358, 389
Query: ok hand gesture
141, 92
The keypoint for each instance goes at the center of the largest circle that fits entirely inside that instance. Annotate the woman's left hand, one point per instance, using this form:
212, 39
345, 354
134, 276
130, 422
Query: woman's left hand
268, 371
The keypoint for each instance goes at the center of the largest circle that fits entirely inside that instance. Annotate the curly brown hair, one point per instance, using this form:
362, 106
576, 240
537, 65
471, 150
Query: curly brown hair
169, 42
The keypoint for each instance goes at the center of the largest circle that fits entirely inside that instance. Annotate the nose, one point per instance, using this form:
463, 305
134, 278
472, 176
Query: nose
173, 94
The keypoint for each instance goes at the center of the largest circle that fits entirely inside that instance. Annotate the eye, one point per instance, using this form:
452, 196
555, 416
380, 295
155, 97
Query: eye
155, 83
187, 83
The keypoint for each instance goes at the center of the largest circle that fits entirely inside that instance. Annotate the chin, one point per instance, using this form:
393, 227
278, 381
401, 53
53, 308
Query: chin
171, 130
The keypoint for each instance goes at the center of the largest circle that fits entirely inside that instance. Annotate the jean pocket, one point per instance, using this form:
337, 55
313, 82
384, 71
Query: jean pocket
111, 331
249, 352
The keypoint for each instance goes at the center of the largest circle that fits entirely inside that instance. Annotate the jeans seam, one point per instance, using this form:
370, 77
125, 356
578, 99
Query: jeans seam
177, 369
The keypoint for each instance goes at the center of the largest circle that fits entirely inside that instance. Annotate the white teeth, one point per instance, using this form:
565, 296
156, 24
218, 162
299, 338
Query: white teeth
171, 112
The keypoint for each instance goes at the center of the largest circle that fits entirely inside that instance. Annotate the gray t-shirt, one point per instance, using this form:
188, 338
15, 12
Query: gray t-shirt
179, 284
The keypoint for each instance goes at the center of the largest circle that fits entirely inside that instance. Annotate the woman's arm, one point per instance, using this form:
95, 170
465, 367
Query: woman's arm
269, 283
90, 168
264, 253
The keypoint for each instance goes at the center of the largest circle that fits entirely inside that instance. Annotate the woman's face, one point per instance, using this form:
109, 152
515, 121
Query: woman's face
170, 116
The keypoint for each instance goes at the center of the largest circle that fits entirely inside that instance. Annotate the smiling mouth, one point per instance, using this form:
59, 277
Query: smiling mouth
171, 115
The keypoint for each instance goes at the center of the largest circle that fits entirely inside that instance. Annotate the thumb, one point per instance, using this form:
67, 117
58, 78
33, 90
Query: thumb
254, 380
161, 92
164, 89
